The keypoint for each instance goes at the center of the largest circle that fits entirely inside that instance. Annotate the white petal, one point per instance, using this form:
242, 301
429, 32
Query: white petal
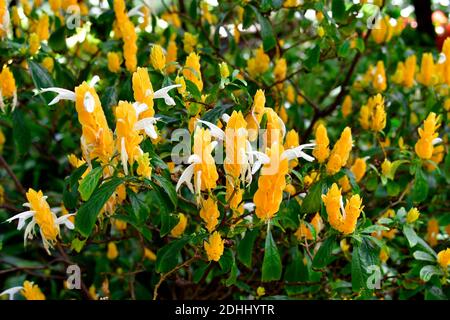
249, 206
139, 108
136, 11
22, 218
436, 141
163, 93
194, 159
124, 156
283, 126
95, 79
89, 102
11, 292
256, 166
65, 220
147, 124
225, 117
215, 130
186, 176
63, 94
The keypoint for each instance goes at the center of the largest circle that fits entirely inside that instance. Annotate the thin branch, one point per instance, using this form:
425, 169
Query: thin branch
19, 186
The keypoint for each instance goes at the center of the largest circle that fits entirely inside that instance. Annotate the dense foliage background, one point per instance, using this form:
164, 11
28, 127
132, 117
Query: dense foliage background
317, 63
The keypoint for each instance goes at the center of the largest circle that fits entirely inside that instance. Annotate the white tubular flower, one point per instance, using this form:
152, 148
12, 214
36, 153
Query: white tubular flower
41, 215
11, 292
148, 125
188, 173
163, 93
297, 152
63, 94
136, 11
215, 130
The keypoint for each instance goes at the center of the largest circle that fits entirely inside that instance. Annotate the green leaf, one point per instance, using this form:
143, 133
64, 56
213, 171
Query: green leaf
428, 271
420, 188
41, 77
267, 34
89, 183
87, 214
423, 256
338, 10
193, 9
359, 44
167, 257
447, 167
313, 57
374, 228
21, 131
245, 247
271, 268
410, 235
323, 256
312, 201
168, 188
77, 244
344, 49
193, 90
364, 264
57, 40
435, 293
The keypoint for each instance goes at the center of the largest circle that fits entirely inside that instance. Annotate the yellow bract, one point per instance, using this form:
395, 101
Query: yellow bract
209, 212
214, 247
443, 258
192, 70
424, 146
178, 230
31, 291
157, 57
340, 153
321, 150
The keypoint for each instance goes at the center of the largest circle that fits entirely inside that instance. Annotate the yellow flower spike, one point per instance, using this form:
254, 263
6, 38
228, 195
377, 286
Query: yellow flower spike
55, 5
359, 169
34, 44
97, 139
426, 75
259, 64
345, 247
378, 119
292, 140
112, 252
432, 232
157, 57
182, 89
446, 65
8, 87
191, 70
386, 167
344, 222
290, 189
235, 145
234, 196
437, 157
255, 116
384, 256
320, 32
31, 291
129, 46
443, 258
424, 147
274, 128
344, 183
143, 91
209, 212
149, 254
189, 42
399, 74
412, 215
42, 28
347, 106
144, 169
128, 139
341, 152
224, 70
410, 71
379, 78
214, 247
120, 225
321, 150
271, 183
303, 230
178, 230
48, 63
114, 62
383, 31
310, 178
205, 172
332, 201
364, 117
145, 11
279, 72
171, 57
